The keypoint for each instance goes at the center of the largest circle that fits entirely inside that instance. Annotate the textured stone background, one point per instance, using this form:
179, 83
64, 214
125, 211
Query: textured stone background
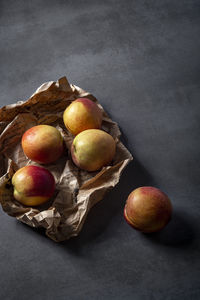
141, 60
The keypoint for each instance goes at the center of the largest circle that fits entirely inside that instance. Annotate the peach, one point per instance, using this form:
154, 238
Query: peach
148, 209
33, 185
82, 114
42, 144
92, 149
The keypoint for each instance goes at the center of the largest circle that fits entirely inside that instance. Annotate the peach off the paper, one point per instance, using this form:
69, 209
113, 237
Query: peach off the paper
148, 209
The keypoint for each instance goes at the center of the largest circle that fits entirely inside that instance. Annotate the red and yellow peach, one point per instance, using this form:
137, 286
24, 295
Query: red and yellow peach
42, 144
92, 149
82, 114
33, 185
148, 209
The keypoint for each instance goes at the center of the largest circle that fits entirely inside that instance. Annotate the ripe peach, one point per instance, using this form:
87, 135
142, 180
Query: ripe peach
42, 144
92, 149
82, 114
33, 185
148, 209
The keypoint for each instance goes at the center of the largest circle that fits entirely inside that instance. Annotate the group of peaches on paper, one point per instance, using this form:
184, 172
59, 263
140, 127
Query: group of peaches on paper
147, 209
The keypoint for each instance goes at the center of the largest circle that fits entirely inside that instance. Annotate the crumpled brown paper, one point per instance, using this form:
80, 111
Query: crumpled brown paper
76, 190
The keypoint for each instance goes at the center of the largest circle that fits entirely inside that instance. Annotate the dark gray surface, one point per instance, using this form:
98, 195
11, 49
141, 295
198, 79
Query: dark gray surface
141, 60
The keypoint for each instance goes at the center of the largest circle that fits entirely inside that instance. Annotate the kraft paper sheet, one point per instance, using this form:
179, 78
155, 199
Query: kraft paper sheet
76, 190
